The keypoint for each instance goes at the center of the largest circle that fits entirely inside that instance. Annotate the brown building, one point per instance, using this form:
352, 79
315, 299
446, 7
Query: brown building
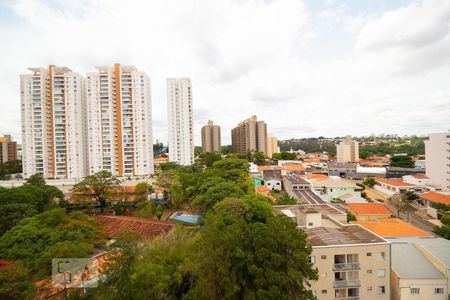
8, 149
250, 134
211, 138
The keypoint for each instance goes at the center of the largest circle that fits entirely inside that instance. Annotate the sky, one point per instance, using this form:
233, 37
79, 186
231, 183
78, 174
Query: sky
308, 68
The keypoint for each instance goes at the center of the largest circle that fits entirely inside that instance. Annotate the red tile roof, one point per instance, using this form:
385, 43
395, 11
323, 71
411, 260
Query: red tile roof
116, 225
264, 168
420, 176
392, 182
262, 189
369, 209
392, 227
436, 197
294, 167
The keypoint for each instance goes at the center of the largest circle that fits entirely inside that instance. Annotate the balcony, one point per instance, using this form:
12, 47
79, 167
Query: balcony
346, 283
346, 266
348, 298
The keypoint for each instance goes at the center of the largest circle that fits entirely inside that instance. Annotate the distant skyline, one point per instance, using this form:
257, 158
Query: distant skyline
308, 68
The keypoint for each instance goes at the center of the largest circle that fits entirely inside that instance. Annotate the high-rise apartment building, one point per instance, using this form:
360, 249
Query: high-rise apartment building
347, 150
211, 138
179, 111
250, 134
272, 145
437, 159
8, 149
53, 131
119, 122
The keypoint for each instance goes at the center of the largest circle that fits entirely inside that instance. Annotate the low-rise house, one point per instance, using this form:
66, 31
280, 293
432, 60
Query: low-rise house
301, 190
349, 198
397, 172
363, 172
369, 211
343, 170
273, 179
394, 186
426, 200
421, 268
392, 227
419, 180
313, 215
333, 187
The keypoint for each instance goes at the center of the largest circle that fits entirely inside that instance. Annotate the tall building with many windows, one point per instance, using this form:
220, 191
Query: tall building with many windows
347, 150
250, 134
179, 110
53, 131
119, 121
8, 149
211, 138
272, 145
437, 159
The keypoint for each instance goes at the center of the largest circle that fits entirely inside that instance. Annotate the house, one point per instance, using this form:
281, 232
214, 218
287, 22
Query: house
332, 187
343, 170
301, 189
257, 180
363, 172
397, 172
392, 227
273, 179
420, 268
369, 211
426, 199
394, 186
349, 198
420, 180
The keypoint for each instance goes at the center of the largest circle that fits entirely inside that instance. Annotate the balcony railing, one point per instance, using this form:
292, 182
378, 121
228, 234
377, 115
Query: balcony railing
346, 266
348, 298
346, 283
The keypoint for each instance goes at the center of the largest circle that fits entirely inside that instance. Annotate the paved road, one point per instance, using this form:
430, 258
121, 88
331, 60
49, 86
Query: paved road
410, 217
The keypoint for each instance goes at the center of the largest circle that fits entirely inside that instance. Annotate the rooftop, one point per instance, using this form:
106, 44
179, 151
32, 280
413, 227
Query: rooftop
324, 209
308, 197
409, 262
369, 208
436, 197
295, 179
392, 227
262, 189
393, 182
330, 181
348, 165
345, 235
117, 225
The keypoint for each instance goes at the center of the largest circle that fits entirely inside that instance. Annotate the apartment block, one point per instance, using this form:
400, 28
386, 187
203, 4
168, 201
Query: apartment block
437, 157
8, 149
347, 150
249, 135
272, 145
211, 140
119, 119
53, 129
352, 262
181, 127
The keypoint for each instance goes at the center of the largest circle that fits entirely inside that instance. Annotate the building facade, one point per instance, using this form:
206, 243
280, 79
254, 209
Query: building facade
347, 150
211, 140
181, 128
272, 145
8, 149
249, 135
53, 128
119, 118
437, 157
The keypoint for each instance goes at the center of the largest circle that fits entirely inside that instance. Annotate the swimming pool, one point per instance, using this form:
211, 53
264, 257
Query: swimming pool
185, 218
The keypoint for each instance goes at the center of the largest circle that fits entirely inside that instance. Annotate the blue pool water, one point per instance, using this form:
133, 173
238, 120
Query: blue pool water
185, 218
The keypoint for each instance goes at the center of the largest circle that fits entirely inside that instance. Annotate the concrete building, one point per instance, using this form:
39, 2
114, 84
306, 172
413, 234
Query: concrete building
347, 150
211, 140
272, 145
369, 211
437, 157
53, 128
352, 262
250, 134
181, 128
119, 119
333, 187
420, 268
8, 149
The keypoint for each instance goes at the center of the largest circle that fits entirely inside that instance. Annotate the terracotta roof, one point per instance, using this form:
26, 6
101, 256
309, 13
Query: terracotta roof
116, 225
436, 197
261, 189
420, 176
294, 167
263, 168
316, 176
393, 182
392, 227
369, 208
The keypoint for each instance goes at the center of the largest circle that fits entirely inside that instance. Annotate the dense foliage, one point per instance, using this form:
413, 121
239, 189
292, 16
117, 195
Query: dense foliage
284, 155
402, 161
10, 167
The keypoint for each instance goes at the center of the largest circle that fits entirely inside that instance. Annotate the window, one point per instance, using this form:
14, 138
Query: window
369, 271
369, 253
381, 289
369, 288
323, 257
310, 224
439, 290
381, 273
381, 256
415, 291
311, 259
324, 291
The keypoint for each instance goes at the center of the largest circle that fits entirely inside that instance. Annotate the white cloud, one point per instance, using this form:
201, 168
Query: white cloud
247, 57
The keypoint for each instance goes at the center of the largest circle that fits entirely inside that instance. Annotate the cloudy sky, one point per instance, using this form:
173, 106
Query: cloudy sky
307, 68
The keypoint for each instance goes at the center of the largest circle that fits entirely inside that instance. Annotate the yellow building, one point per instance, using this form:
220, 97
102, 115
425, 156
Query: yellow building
369, 211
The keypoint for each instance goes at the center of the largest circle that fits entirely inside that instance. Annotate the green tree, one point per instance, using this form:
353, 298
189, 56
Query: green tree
10, 167
400, 201
364, 154
35, 180
217, 193
169, 166
142, 190
101, 186
159, 212
369, 181
284, 155
402, 161
231, 164
228, 149
285, 199
209, 158
14, 283
259, 158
